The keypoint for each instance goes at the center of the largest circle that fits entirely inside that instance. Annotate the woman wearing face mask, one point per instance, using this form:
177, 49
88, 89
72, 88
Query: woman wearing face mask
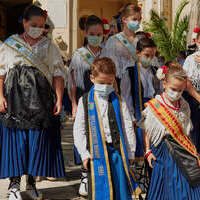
31, 89
169, 149
141, 85
121, 48
79, 75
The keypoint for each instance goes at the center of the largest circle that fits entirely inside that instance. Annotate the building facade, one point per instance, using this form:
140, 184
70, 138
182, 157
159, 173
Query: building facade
64, 16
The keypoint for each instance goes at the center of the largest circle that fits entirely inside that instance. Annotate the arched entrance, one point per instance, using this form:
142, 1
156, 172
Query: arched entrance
11, 12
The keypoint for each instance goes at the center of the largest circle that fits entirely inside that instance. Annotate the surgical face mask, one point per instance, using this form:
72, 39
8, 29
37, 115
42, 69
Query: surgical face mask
145, 61
95, 40
35, 32
133, 25
173, 95
103, 89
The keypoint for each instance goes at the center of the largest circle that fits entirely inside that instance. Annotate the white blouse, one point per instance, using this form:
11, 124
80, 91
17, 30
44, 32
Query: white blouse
156, 130
79, 131
192, 69
45, 48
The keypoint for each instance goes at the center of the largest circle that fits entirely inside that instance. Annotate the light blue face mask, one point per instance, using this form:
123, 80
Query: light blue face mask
103, 89
145, 61
95, 40
133, 25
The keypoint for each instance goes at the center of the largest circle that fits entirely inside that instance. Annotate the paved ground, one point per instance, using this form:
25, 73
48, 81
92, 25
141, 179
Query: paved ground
62, 189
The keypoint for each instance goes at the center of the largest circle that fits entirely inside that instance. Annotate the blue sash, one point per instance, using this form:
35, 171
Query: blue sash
34, 60
102, 188
138, 111
86, 55
127, 44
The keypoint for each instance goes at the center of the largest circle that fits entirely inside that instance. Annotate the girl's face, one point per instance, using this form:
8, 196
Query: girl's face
95, 30
146, 56
134, 17
34, 21
174, 88
95, 35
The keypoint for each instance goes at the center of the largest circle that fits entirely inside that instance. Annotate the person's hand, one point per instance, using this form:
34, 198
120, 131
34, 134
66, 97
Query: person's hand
74, 110
57, 108
85, 164
3, 105
150, 158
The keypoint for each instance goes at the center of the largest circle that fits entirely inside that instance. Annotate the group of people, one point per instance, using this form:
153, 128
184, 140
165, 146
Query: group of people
128, 110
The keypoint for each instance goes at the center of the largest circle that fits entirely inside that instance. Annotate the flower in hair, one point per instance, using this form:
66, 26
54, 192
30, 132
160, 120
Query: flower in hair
195, 33
161, 72
148, 35
45, 13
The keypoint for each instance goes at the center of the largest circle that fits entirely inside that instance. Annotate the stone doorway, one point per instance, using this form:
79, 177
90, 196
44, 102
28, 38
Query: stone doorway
11, 12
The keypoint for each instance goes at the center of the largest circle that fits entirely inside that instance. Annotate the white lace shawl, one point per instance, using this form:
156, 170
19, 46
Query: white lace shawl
45, 48
119, 54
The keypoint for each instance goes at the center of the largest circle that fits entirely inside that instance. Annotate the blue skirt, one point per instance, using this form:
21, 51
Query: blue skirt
167, 182
33, 152
119, 179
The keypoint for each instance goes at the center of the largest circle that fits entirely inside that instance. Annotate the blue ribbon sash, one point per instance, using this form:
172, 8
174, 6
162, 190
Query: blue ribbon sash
130, 47
138, 111
86, 55
33, 59
102, 187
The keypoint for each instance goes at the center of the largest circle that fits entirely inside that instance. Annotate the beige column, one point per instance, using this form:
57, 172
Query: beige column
194, 18
75, 38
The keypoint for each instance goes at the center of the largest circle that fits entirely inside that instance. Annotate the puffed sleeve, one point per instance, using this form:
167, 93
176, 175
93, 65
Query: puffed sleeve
188, 66
57, 62
3, 60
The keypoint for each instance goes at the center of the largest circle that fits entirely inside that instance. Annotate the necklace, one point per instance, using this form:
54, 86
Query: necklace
92, 52
172, 107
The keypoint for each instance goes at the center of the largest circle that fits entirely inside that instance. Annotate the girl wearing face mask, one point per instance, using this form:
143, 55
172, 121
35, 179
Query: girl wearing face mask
141, 85
169, 149
121, 48
79, 74
31, 89
79, 70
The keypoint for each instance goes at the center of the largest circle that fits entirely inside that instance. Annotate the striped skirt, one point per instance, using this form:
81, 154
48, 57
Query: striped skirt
34, 152
167, 182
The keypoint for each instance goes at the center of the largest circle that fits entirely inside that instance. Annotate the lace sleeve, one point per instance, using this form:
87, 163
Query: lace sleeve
3, 59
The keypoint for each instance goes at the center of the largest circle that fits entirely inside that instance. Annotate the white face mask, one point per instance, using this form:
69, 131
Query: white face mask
103, 89
35, 32
173, 95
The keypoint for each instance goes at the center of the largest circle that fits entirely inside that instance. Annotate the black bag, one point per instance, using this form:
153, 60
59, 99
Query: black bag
186, 162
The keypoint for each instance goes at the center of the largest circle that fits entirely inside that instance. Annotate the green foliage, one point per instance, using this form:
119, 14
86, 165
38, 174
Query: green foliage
169, 43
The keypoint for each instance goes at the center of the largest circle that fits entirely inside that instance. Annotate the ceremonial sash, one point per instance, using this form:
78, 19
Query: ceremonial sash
172, 125
130, 47
102, 187
34, 60
86, 55
138, 110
